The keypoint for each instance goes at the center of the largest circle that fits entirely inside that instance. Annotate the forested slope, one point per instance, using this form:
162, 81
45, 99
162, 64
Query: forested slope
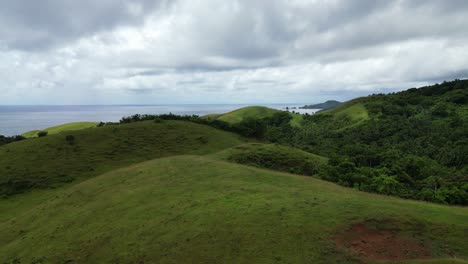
413, 144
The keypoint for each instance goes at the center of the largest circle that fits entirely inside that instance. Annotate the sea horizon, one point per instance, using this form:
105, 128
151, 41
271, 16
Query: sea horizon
18, 119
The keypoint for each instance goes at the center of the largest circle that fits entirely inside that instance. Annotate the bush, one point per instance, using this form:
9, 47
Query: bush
42, 133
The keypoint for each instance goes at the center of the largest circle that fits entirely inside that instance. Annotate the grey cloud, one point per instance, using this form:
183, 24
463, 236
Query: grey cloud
36, 25
141, 90
445, 76
240, 49
196, 81
439, 6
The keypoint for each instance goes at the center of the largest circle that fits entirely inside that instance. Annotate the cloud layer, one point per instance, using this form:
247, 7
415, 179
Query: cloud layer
209, 51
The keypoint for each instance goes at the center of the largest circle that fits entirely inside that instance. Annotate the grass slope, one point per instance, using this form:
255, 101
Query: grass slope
62, 128
238, 115
51, 160
194, 209
349, 114
256, 112
275, 157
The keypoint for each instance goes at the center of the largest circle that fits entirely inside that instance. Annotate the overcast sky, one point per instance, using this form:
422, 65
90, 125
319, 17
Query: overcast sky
213, 51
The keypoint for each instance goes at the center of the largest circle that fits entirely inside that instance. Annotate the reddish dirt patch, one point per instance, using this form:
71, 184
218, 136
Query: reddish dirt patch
380, 244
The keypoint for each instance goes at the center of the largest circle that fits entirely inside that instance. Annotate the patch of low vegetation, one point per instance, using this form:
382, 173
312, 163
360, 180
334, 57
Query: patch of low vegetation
275, 157
181, 208
56, 159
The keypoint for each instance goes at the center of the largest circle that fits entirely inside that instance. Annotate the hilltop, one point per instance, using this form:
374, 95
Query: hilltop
325, 105
251, 112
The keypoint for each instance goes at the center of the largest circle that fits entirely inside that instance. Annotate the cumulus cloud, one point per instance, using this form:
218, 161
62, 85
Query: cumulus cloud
209, 51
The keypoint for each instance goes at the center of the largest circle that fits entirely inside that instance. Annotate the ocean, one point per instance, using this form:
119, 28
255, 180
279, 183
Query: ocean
15, 120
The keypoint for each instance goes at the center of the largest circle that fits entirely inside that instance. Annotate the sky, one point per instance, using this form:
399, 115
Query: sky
237, 51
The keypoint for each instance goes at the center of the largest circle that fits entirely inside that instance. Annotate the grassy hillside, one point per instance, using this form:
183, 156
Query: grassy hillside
275, 157
251, 112
256, 112
61, 128
60, 158
194, 209
349, 114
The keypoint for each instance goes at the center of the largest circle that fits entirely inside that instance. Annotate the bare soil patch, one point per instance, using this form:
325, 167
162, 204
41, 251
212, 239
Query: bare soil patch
373, 242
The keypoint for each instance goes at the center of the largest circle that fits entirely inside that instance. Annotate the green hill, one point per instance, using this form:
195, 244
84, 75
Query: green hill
325, 105
252, 112
61, 128
195, 209
256, 112
346, 115
275, 157
60, 158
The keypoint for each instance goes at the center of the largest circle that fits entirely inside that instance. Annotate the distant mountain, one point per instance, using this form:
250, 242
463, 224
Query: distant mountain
327, 105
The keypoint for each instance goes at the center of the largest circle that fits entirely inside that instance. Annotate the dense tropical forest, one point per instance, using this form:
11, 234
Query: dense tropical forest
413, 144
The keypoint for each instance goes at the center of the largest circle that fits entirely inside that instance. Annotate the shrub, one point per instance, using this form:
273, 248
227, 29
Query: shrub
42, 133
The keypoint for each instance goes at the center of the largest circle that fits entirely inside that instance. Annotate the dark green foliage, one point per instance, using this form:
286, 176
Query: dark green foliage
414, 144
42, 133
5, 140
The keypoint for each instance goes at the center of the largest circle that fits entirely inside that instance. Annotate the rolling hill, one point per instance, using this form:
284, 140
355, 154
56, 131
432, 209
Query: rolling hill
254, 112
275, 157
325, 105
61, 128
348, 114
181, 208
61, 158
